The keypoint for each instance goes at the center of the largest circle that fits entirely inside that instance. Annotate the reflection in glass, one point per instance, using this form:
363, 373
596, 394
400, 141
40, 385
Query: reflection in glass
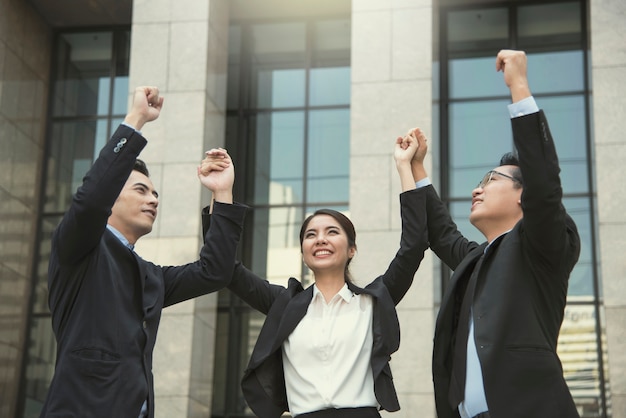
278, 162
120, 95
328, 173
70, 156
477, 30
566, 117
480, 133
279, 43
556, 23
331, 43
40, 365
556, 72
280, 88
84, 66
581, 278
329, 86
578, 351
276, 243
474, 78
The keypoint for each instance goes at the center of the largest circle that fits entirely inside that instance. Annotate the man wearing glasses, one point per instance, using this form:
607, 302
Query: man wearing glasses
496, 334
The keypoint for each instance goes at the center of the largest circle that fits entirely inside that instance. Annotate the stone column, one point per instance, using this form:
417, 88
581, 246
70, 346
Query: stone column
181, 47
608, 58
391, 93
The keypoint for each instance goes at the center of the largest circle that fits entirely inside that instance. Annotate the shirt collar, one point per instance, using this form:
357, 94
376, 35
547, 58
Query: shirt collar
121, 237
344, 293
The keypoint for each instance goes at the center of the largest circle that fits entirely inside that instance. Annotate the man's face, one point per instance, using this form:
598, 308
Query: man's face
497, 199
135, 209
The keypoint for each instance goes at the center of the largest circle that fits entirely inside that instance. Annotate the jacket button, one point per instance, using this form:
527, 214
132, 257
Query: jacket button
145, 324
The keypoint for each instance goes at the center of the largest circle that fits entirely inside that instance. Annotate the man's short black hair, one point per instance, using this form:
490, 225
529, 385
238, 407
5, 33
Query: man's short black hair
141, 167
511, 158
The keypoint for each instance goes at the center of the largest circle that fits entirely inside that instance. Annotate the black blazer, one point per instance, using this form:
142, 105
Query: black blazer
263, 383
520, 294
106, 301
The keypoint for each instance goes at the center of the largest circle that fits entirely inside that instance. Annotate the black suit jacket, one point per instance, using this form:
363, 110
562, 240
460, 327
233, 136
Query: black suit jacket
106, 301
263, 383
520, 294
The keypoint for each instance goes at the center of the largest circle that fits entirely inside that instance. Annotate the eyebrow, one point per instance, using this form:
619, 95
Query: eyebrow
145, 186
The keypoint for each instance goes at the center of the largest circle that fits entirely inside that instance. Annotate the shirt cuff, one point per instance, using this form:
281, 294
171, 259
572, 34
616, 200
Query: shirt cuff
423, 183
131, 127
523, 107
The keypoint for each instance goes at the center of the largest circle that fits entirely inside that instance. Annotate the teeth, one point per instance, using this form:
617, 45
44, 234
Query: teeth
323, 252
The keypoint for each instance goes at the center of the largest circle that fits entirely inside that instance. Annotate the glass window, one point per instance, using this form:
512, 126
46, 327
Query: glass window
89, 99
83, 74
480, 132
328, 163
288, 125
278, 163
329, 86
477, 29
552, 23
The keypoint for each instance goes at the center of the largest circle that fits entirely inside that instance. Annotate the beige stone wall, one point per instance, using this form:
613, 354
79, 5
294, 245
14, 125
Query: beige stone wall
181, 47
24, 67
608, 58
391, 93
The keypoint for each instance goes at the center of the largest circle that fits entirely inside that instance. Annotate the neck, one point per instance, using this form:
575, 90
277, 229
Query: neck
493, 231
329, 284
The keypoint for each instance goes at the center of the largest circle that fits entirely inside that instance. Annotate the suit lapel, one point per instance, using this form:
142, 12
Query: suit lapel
293, 314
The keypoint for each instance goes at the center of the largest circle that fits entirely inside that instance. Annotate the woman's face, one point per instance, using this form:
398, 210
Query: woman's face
325, 245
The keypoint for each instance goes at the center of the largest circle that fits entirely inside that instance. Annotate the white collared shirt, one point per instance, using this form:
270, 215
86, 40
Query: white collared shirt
326, 359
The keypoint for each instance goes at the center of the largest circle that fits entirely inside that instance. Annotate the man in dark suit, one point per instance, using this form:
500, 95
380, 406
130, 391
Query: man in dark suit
496, 333
105, 300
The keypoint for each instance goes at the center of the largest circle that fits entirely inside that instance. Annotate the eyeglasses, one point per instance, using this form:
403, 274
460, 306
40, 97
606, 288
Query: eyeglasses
489, 176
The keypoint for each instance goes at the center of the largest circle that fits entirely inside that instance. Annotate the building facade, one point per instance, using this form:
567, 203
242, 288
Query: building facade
308, 97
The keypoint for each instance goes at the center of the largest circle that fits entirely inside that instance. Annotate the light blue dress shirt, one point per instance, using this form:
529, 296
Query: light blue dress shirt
144, 408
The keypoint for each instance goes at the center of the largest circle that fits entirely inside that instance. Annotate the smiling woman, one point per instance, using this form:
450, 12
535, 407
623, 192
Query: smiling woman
315, 355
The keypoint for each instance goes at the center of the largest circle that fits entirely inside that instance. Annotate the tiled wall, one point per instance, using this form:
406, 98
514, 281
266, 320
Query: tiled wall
608, 57
181, 47
24, 68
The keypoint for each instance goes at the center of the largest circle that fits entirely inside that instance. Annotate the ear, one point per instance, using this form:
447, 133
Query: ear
351, 252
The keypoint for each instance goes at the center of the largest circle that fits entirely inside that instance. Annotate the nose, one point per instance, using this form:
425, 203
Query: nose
153, 200
477, 191
321, 239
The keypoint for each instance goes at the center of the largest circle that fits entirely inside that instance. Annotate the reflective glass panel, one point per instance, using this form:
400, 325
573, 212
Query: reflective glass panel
329, 86
40, 365
331, 43
480, 133
555, 23
578, 351
475, 78
83, 73
279, 149
71, 155
277, 244
581, 278
556, 72
328, 163
477, 29
280, 88
566, 118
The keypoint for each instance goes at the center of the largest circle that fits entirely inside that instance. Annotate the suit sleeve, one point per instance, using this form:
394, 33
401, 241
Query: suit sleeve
444, 237
214, 269
550, 233
84, 223
252, 289
413, 243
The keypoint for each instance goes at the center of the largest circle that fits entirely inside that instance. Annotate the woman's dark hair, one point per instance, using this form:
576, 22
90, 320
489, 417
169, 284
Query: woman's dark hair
511, 158
141, 167
345, 223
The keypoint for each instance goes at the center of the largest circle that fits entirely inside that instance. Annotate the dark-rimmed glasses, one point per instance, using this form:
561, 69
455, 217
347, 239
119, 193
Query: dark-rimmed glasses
489, 176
